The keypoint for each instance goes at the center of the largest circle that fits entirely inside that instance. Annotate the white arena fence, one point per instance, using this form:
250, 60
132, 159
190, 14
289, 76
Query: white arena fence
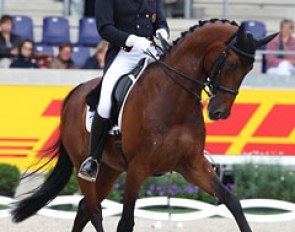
199, 209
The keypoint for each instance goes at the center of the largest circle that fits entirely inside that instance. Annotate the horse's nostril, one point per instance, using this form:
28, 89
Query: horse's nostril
216, 115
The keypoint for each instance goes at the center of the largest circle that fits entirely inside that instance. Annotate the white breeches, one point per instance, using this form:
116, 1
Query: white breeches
284, 68
122, 64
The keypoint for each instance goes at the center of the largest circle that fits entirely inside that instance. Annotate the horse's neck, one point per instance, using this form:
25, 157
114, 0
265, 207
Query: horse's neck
169, 101
188, 59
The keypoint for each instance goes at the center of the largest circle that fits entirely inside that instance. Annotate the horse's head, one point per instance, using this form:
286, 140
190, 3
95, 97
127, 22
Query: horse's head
226, 65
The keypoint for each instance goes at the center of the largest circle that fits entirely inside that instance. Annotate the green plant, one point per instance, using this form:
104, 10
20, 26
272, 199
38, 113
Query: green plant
169, 185
270, 181
9, 179
72, 186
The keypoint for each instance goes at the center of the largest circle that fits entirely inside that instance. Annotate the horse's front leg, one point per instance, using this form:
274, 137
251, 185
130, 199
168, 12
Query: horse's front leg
201, 173
134, 179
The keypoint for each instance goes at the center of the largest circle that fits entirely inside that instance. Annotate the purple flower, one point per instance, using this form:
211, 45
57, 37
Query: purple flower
189, 189
172, 192
149, 192
159, 188
161, 193
152, 187
173, 186
229, 186
196, 189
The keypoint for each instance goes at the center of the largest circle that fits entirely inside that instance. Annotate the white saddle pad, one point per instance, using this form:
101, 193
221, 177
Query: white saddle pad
89, 114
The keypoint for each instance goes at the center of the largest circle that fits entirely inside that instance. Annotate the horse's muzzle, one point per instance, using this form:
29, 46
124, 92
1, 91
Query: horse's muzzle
216, 110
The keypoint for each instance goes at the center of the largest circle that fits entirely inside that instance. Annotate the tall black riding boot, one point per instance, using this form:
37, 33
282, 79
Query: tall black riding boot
99, 132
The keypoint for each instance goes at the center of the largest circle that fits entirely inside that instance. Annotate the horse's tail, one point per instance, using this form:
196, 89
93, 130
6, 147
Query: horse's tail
56, 181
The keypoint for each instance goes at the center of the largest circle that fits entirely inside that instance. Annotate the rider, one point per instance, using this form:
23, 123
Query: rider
129, 26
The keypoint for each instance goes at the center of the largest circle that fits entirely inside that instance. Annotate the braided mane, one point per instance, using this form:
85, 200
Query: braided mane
201, 23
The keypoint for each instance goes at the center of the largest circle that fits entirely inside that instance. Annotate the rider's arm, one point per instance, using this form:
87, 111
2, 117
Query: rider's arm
161, 21
104, 13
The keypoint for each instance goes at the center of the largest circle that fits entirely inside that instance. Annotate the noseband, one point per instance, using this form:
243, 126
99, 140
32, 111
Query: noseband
209, 86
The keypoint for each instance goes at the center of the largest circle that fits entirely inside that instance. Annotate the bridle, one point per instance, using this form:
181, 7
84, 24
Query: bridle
208, 85
218, 65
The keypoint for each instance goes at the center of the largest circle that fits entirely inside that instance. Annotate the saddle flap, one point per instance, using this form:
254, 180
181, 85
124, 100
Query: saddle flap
121, 89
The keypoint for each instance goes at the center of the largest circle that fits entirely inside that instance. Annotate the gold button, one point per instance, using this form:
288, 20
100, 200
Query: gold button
137, 26
147, 16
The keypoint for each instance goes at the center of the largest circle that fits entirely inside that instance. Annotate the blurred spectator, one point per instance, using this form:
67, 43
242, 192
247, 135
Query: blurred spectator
25, 54
97, 61
8, 42
43, 60
282, 64
63, 59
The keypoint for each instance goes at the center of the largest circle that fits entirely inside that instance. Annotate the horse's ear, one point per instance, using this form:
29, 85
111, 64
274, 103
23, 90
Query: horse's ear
265, 40
241, 30
241, 34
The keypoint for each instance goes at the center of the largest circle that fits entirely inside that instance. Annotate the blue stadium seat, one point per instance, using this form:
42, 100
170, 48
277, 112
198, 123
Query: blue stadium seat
56, 30
44, 49
257, 28
23, 27
80, 55
88, 35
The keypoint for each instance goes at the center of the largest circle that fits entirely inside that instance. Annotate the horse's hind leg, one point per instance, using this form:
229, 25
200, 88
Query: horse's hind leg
82, 216
94, 194
201, 173
92, 208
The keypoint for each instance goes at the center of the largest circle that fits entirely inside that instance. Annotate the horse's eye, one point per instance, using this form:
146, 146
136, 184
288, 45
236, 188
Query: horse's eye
232, 64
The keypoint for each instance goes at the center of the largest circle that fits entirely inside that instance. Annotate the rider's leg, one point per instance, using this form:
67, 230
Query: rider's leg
99, 132
123, 63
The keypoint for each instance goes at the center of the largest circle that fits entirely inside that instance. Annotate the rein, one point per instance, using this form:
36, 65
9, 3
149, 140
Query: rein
208, 86
166, 68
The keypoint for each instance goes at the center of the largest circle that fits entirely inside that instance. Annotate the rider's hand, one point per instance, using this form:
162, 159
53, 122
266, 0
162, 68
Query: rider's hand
140, 43
163, 33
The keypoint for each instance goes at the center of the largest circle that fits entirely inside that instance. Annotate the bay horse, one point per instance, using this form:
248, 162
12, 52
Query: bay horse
163, 127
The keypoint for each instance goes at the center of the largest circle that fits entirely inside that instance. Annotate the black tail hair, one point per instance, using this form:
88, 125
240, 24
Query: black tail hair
56, 181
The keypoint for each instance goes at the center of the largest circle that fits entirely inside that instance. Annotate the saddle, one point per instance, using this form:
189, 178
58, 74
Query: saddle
122, 88
120, 91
